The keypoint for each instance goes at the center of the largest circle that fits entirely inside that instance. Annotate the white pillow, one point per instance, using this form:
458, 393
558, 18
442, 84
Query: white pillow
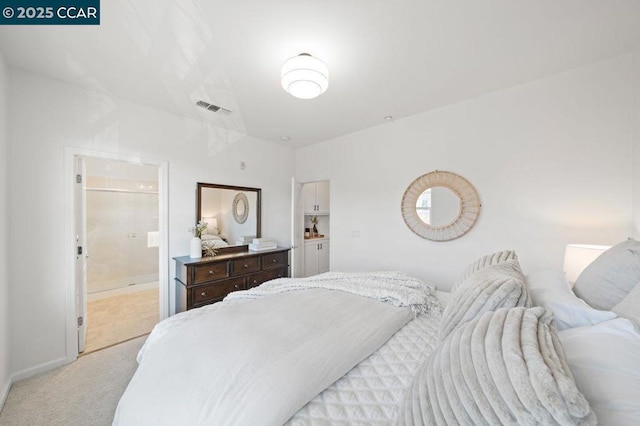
608, 279
605, 360
629, 308
551, 290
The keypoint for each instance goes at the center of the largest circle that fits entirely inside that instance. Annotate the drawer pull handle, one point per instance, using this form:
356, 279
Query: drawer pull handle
236, 286
212, 271
274, 260
203, 294
255, 281
245, 265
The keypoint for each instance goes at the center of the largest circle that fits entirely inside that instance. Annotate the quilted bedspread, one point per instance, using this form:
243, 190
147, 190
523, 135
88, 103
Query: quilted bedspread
371, 392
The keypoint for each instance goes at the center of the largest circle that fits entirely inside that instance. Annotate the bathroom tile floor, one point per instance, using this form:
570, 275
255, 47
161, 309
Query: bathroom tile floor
116, 319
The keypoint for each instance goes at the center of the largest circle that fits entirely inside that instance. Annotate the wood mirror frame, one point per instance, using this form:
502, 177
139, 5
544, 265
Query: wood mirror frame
234, 191
467, 215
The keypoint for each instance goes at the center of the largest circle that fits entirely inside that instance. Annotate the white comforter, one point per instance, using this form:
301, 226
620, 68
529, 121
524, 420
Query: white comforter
239, 363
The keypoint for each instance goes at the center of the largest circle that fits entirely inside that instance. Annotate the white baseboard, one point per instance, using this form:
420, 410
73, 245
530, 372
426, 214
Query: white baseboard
120, 291
106, 285
25, 374
4, 392
30, 372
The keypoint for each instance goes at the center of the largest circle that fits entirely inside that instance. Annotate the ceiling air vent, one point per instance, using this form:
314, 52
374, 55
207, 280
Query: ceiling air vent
211, 107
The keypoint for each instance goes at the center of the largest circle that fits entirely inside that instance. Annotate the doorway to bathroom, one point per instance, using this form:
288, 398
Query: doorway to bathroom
120, 223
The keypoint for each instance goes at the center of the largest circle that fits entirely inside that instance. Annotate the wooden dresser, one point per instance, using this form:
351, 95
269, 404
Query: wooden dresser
208, 280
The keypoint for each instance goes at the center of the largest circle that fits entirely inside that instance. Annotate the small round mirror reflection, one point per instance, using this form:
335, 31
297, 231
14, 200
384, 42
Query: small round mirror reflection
240, 208
438, 206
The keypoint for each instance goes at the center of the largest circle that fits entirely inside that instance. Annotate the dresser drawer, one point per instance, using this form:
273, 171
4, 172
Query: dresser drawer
245, 266
213, 292
210, 271
257, 279
204, 281
275, 260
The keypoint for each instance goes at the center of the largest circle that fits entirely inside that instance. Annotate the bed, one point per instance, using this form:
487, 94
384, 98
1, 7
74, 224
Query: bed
384, 348
213, 241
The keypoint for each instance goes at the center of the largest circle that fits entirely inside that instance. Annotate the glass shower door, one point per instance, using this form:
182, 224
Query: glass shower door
118, 225
145, 241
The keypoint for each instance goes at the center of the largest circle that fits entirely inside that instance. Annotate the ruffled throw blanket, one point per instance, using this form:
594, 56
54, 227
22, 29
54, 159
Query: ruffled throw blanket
392, 287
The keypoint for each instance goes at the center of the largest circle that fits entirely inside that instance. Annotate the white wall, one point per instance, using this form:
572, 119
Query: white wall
636, 144
4, 210
46, 116
551, 161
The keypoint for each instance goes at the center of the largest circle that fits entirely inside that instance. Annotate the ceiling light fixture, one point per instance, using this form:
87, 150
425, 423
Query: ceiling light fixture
304, 76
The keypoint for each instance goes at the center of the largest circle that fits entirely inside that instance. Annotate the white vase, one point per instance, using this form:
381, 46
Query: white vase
195, 248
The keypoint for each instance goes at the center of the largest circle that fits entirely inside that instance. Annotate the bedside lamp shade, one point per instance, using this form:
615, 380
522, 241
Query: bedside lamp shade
579, 256
212, 224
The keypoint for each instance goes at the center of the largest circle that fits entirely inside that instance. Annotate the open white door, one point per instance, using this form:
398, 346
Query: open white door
297, 229
81, 255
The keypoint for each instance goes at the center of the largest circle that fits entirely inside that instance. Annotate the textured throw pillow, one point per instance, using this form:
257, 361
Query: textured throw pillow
498, 286
605, 282
629, 308
506, 367
483, 262
551, 290
605, 360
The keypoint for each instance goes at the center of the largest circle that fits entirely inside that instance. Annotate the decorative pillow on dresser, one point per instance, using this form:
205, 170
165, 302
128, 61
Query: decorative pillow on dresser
483, 262
505, 367
501, 285
608, 279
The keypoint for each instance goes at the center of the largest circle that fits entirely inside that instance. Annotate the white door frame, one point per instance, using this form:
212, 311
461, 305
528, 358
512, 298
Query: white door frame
70, 154
80, 231
297, 233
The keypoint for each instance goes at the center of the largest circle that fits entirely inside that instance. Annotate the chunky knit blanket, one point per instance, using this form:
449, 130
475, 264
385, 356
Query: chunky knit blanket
392, 287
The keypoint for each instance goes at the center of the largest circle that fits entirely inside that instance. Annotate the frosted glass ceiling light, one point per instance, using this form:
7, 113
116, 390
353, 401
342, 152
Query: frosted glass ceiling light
304, 76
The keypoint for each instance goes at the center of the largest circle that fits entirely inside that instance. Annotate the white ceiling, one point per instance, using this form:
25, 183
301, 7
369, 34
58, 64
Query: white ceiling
393, 57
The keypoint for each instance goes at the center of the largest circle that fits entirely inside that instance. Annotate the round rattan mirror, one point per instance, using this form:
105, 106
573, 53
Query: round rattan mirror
440, 206
240, 207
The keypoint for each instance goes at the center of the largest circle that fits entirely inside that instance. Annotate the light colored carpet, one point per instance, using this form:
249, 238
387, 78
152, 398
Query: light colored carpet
85, 392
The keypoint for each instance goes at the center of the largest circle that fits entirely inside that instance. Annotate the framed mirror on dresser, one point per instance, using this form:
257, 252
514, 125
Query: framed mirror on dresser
232, 213
233, 217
